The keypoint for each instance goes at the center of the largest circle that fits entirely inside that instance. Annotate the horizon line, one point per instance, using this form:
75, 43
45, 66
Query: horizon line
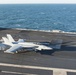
37, 3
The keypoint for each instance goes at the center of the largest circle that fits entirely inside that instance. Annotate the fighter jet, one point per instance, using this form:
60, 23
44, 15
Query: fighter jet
21, 44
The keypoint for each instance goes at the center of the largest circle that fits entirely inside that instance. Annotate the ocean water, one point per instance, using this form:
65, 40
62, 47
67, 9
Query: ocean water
39, 16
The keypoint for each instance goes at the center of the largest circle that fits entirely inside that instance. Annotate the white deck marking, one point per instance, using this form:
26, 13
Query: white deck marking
17, 73
59, 72
35, 67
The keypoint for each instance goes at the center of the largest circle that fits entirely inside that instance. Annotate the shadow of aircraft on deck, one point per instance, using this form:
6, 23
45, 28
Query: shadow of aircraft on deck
65, 47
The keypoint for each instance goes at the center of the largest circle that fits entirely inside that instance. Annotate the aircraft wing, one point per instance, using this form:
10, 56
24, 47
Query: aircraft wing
13, 49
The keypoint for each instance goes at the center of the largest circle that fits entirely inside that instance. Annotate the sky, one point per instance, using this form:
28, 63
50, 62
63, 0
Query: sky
36, 1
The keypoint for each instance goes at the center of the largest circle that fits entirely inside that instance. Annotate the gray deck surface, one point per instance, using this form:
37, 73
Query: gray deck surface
64, 58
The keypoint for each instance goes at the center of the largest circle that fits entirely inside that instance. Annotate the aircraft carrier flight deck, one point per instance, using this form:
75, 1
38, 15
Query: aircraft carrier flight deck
48, 62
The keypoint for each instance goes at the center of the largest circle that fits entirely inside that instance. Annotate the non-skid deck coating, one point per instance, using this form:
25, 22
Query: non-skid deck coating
59, 62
